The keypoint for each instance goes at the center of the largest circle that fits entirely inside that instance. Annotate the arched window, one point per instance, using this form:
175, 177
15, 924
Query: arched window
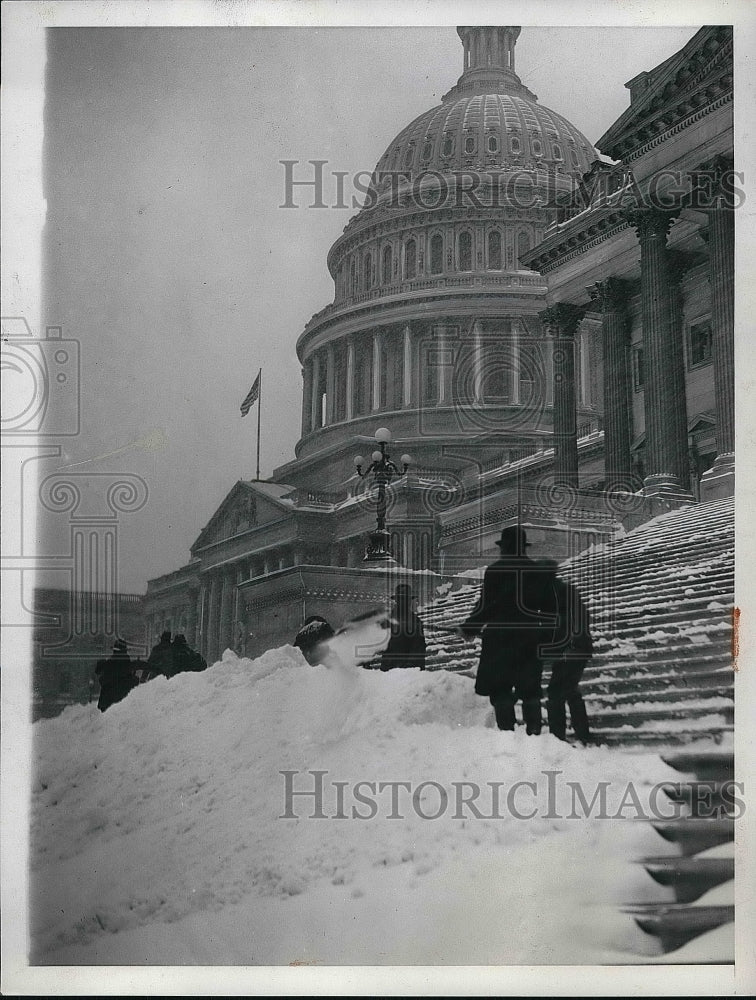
494, 250
557, 151
448, 146
367, 272
493, 144
387, 262
437, 253
515, 144
523, 245
537, 148
427, 149
409, 156
352, 276
470, 144
465, 251
340, 280
410, 259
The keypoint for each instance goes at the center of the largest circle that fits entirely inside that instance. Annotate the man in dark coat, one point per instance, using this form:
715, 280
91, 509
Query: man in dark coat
573, 647
516, 616
160, 660
116, 675
311, 636
185, 658
406, 645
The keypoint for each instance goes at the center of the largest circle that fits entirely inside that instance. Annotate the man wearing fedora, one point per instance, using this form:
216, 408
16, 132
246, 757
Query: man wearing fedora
117, 675
516, 617
406, 646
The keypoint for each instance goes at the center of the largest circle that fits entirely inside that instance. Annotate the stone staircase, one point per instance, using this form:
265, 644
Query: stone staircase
698, 863
661, 600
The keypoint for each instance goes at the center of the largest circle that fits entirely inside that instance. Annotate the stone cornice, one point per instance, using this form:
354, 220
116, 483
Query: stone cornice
573, 238
512, 286
694, 82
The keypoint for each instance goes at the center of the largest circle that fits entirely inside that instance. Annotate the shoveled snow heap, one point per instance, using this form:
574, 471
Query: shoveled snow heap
158, 837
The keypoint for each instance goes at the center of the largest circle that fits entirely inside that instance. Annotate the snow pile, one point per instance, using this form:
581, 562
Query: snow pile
158, 837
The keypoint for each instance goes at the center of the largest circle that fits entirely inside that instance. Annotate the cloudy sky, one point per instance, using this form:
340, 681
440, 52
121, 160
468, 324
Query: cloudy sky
166, 251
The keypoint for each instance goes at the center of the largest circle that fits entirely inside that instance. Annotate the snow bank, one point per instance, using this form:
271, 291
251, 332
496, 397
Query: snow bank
158, 837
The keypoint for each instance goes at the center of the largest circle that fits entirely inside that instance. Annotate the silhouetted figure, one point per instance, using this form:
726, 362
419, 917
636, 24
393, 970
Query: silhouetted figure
160, 660
573, 647
406, 646
116, 675
185, 658
515, 615
311, 636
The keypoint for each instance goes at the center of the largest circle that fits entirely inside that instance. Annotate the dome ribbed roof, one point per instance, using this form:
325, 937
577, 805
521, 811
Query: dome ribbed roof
488, 121
488, 132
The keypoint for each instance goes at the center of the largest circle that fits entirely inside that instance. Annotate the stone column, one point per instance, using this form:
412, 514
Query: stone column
225, 628
563, 320
667, 472
307, 398
315, 403
719, 481
349, 405
477, 363
610, 297
515, 345
212, 620
330, 385
376, 404
407, 369
191, 617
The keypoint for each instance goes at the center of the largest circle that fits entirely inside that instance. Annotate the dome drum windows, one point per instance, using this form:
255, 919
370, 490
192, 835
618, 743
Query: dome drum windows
470, 145
536, 147
523, 245
514, 145
436, 254
493, 144
367, 272
410, 259
447, 147
557, 151
427, 150
464, 251
494, 250
387, 265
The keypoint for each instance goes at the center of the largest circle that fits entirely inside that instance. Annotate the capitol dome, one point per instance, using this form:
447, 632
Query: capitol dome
489, 121
435, 320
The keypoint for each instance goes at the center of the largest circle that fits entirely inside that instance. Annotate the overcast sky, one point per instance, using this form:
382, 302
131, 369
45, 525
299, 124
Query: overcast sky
168, 257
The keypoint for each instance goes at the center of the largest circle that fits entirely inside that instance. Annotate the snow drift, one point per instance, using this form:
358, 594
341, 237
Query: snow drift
157, 834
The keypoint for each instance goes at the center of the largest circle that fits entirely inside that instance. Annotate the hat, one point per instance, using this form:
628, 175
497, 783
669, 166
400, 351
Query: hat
514, 539
179, 639
119, 646
165, 636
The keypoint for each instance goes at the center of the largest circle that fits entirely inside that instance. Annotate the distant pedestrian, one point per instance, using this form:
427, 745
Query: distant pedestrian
160, 660
311, 637
185, 658
117, 675
406, 645
573, 647
516, 615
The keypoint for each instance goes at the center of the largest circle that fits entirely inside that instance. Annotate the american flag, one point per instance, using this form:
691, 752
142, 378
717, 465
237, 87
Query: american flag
251, 398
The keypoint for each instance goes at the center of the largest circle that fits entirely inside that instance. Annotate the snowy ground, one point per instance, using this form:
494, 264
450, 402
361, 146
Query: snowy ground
157, 837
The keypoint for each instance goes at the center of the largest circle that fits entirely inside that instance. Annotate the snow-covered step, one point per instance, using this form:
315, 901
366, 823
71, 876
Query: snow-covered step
689, 877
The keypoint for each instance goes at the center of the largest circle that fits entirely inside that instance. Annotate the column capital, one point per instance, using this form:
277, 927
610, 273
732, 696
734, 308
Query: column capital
650, 223
611, 294
562, 318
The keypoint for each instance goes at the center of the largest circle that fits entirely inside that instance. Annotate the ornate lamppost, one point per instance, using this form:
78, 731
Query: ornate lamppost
382, 470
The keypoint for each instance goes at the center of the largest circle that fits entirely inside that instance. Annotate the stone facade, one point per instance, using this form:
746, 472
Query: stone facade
544, 348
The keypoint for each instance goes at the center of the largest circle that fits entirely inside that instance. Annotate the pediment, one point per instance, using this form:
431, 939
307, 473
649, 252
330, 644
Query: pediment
244, 508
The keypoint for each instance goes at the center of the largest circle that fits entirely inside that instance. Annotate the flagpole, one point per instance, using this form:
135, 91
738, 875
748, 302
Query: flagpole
259, 405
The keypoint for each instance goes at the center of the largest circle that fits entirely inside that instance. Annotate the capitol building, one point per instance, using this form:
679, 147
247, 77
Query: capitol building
541, 328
